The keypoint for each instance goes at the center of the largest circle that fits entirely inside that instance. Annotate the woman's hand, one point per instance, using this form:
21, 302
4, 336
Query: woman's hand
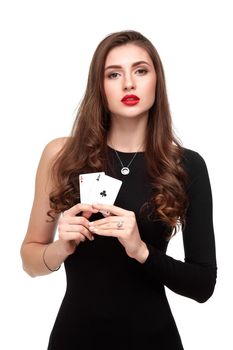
122, 224
74, 229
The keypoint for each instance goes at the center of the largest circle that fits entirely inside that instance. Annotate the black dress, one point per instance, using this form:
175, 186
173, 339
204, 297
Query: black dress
114, 302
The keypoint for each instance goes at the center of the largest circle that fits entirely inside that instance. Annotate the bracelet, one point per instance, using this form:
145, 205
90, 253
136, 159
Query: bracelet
45, 261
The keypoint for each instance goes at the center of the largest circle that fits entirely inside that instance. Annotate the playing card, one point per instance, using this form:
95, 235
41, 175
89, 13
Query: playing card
105, 190
86, 182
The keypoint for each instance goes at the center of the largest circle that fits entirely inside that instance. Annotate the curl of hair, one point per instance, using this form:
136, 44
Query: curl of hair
86, 148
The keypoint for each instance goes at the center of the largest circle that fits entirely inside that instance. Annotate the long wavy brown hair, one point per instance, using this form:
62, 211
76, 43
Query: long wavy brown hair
86, 148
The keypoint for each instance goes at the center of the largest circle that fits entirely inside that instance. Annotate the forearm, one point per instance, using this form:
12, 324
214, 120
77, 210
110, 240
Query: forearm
190, 279
142, 253
33, 259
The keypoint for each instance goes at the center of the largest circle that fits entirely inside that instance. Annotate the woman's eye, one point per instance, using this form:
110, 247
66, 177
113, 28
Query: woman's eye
141, 71
113, 75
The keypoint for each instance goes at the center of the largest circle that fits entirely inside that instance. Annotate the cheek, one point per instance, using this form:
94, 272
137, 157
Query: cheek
112, 96
109, 93
109, 90
149, 91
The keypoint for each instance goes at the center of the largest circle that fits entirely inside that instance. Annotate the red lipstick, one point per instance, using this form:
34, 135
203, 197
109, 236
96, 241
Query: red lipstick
130, 100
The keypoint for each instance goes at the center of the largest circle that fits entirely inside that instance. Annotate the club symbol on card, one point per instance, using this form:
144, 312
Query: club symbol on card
103, 194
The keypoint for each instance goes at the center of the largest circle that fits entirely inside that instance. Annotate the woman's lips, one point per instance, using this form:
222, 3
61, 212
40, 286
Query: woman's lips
130, 100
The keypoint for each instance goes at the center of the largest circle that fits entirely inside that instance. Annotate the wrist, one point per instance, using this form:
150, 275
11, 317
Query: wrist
52, 269
142, 253
65, 248
55, 253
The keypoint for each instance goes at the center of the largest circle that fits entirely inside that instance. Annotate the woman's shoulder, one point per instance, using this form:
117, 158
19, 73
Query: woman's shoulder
57, 144
51, 151
192, 156
54, 147
193, 162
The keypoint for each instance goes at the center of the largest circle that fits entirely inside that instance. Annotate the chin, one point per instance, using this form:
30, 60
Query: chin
131, 113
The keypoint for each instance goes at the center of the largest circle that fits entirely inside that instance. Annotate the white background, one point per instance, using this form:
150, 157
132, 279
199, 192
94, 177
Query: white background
46, 47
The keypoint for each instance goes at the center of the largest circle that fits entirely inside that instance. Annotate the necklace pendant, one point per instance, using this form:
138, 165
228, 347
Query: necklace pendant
125, 170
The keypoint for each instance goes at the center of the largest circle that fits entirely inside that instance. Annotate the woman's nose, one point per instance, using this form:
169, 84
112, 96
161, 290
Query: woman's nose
129, 83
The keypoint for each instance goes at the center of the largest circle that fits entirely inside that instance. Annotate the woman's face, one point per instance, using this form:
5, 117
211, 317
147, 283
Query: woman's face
129, 81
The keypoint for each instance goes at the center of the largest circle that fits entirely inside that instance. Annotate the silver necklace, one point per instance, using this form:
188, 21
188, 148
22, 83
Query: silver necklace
125, 169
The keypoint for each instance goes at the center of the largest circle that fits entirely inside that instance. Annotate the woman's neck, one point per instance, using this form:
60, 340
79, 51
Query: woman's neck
127, 135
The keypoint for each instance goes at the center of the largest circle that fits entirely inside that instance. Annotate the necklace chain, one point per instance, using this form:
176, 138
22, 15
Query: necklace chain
125, 169
121, 161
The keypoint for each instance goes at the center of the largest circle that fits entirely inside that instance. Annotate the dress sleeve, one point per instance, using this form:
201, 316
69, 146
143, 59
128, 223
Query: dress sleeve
194, 278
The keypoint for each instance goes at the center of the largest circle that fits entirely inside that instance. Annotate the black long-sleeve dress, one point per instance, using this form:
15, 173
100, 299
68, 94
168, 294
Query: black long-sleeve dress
114, 302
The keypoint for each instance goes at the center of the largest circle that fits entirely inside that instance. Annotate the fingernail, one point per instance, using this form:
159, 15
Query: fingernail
92, 238
105, 213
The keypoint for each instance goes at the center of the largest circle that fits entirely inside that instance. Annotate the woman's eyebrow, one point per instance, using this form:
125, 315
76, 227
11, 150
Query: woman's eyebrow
133, 65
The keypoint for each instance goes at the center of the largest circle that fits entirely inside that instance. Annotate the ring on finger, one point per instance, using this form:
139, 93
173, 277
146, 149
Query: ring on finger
120, 224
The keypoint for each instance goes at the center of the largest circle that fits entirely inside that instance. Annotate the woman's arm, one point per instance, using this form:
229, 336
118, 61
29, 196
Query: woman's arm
40, 255
196, 277
40, 232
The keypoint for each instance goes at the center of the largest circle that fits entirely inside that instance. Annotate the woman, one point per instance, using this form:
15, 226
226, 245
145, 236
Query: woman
116, 263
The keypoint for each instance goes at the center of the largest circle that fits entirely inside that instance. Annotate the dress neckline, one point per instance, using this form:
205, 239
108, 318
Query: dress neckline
122, 152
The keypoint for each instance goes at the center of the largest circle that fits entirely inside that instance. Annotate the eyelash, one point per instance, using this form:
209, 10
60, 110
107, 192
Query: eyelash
140, 69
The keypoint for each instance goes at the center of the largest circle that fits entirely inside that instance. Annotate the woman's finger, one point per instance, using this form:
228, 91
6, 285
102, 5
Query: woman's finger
74, 220
111, 232
74, 228
80, 239
74, 236
87, 214
78, 208
67, 231
109, 222
113, 209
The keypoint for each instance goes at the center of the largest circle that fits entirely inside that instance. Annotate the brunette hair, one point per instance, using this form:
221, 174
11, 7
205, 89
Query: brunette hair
86, 148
